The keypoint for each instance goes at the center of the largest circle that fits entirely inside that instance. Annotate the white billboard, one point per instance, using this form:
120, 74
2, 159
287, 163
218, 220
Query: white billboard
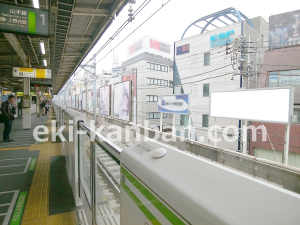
104, 100
267, 105
122, 101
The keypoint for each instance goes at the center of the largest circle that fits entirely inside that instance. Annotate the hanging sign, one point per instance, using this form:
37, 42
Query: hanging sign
24, 20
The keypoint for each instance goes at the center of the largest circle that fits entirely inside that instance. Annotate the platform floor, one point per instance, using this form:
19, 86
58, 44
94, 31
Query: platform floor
32, 190
22, 137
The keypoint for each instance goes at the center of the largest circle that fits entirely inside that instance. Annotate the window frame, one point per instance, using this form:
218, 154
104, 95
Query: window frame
204, 94
205, 61
203, 116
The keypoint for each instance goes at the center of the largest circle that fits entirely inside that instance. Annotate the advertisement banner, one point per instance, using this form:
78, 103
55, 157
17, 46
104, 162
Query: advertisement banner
122, 101
174, 104
83, 101
131, 77
90, 101
104, 100
284, 30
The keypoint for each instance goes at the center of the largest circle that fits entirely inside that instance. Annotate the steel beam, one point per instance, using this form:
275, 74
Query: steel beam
77, 11
14, 42
71, 54
7, 56
78, 40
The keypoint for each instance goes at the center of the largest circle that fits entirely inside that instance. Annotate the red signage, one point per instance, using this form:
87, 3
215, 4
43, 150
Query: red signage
131, 77
135, 47
154, 44
160, 46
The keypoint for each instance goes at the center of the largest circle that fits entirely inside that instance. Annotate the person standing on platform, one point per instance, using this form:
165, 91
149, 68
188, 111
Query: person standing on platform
43, 107
7, 108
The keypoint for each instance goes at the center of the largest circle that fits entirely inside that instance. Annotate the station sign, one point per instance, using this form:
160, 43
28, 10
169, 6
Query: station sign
7, 92
31, 73
174, 104
24, 20
41, 83
21, 93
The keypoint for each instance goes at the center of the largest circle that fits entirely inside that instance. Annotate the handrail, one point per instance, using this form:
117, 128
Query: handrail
101, 139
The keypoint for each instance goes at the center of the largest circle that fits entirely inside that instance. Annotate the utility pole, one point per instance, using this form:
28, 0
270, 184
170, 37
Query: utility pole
240, 50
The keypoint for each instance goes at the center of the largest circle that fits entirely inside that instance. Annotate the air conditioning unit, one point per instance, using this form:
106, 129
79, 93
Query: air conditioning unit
294, 119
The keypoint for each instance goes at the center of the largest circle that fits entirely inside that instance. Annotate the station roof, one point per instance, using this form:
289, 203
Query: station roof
75, 27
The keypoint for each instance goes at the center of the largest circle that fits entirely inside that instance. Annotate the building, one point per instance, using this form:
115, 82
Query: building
149, 65
280, 68
212, 62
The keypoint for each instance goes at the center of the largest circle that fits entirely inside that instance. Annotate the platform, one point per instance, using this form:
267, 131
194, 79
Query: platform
34, 183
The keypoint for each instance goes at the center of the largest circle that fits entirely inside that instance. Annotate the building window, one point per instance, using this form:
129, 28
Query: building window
204, 120
165, 115
205, 90
152, 98
206, 58
159, 82
153, 66
153, 115
284, 78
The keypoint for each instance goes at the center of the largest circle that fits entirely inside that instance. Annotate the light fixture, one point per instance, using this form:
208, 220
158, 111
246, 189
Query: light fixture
45, 62
42, 45
36, 4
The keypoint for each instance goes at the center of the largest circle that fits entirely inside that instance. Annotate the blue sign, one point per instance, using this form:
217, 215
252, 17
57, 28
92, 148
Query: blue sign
183, 49
174, 104
221, 39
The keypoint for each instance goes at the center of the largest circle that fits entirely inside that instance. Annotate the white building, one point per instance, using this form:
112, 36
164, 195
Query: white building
149, 64
202, 66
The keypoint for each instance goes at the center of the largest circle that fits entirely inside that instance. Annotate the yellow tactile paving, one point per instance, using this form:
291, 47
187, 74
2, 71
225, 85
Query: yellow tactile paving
14, 148
37, 204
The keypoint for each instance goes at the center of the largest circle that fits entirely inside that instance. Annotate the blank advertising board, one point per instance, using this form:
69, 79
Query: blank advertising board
267, 105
